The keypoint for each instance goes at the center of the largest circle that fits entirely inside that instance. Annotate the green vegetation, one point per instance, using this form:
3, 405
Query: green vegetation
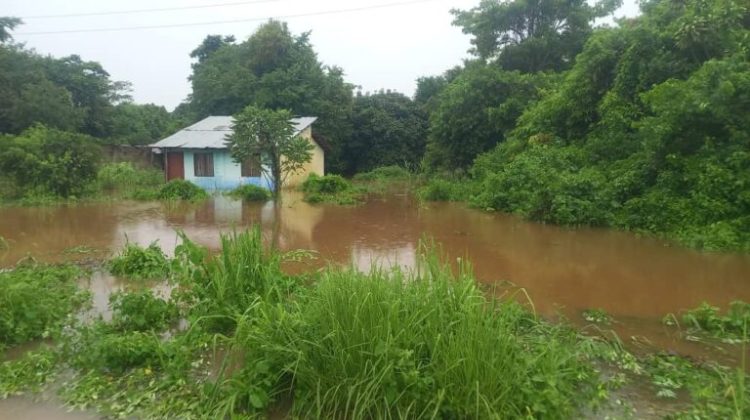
250, 192
36, 301
137, 262
707, 320
384, 174
331, 189
29, 373
440, 189
269, 134
597, 316
125, 180
387, 343
180, 189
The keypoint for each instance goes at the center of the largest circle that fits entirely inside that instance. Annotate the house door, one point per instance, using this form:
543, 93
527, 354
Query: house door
175, 166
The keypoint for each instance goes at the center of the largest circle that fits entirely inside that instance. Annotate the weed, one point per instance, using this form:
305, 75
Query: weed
140, 263
36, 301
125, 180
597, 316
438, 189
141, 311
729, 327
27, 374
249, 192
331, 189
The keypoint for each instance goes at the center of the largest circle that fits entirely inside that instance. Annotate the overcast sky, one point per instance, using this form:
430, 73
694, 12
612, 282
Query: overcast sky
387, 47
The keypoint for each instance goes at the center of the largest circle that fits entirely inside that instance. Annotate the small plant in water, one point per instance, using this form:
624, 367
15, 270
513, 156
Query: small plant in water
140, 263
251, 192
597, 316
141, 311
729, 327
179, 189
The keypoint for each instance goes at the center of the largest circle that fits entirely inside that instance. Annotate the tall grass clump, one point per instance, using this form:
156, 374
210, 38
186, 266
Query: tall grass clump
225, 285
250, 192
331, 189
139, 262
439, 189
36, 301
409, 345
179, 189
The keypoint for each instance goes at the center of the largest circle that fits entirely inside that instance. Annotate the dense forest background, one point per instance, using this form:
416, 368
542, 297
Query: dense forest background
643, 124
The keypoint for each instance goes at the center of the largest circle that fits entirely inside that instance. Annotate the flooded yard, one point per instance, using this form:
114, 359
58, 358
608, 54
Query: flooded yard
637, 280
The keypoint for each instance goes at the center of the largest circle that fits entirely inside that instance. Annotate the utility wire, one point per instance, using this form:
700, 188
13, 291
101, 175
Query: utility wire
164, 9
182, 25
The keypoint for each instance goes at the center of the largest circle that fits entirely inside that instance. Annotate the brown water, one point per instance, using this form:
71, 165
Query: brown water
637, 280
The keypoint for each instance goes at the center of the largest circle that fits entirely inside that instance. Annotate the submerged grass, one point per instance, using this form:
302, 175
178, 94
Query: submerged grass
251, 192
331, 189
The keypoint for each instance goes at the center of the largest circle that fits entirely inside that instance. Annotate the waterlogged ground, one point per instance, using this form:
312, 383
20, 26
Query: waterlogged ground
564, 271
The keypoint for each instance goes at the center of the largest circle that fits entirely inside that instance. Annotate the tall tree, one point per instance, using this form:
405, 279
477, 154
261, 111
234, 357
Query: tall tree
270, 135
277, 70
531, 35
7, 24
388, 129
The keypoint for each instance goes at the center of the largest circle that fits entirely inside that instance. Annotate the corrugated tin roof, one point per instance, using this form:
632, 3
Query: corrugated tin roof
211, 132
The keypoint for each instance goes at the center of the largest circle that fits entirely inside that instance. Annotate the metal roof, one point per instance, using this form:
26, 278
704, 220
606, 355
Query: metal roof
211, 132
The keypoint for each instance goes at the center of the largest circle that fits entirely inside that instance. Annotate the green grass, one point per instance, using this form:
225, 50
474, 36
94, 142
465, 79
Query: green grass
29, 373
141, 311
123, 179
384, 173
251, 192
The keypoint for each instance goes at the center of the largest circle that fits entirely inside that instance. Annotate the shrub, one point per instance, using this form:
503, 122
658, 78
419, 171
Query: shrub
36, 300
179, 189
55, 162
734, 325
250, 192
141, 263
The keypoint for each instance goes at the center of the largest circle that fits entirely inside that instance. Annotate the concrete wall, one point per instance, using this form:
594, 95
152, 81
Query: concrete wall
227, 173
316, 165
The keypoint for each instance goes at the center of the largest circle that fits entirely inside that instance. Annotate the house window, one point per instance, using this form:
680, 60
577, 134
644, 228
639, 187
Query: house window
203, 164
251, 167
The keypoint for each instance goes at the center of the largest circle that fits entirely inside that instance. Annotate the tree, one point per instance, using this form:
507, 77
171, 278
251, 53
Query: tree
531, 35
274, 69
388, 129
140, 123
269, 134
7, 24
476, 111
210, 44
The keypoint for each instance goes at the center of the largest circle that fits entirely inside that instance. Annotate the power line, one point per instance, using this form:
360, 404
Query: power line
182, 25
164, 9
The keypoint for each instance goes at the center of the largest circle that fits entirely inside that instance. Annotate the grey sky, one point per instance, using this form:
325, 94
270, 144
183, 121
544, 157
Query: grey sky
385, 48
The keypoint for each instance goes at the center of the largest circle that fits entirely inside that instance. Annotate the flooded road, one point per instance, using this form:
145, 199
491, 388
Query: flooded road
637, 280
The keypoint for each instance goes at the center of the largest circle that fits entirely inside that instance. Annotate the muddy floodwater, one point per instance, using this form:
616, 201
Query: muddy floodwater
637, 280
564, 271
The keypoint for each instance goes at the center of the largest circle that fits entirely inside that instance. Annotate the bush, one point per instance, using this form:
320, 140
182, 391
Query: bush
50, 161
250, 192
179, 189
36, 300
140, 263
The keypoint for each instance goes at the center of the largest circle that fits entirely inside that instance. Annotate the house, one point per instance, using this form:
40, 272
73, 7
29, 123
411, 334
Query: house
200, 155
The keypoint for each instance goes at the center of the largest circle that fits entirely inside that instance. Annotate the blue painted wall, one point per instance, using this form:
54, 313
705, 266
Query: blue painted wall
227, 173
